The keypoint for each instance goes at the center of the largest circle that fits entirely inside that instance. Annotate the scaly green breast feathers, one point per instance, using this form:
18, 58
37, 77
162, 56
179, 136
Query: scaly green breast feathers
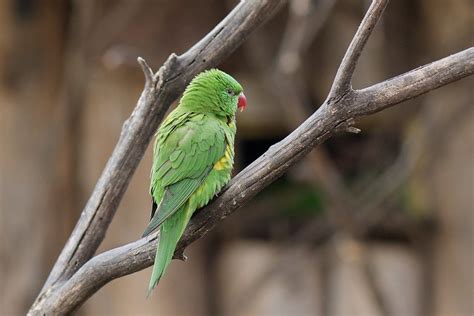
192, 158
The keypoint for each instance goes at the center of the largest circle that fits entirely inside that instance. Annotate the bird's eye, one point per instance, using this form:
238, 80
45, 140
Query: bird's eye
230, 92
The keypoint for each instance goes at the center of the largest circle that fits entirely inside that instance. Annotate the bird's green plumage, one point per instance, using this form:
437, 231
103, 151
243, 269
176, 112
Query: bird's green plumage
192, 159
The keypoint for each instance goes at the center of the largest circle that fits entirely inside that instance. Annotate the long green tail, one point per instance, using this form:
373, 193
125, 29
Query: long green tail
170, 232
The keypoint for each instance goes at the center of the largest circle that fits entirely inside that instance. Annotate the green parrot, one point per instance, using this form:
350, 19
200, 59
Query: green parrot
193, 157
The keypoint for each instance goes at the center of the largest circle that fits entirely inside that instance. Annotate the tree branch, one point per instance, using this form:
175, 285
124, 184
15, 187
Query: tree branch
148, 73
342, 82
76, 276
322, 124
287, 77
138, 130
409, 85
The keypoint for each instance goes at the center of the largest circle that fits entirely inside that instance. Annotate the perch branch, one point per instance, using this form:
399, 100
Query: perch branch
322, 124
137, 132
76, 276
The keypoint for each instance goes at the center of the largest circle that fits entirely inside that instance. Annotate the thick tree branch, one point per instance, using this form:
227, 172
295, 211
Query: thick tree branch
160, 91
322, 124
409, 85
342, 82
76, 276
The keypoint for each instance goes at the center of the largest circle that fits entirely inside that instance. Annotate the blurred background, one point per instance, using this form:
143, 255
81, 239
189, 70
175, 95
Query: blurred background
379, 223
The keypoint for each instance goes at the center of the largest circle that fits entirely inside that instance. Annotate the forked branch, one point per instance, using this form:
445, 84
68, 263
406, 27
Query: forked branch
77, 276
161, 89
138, 255
342, 82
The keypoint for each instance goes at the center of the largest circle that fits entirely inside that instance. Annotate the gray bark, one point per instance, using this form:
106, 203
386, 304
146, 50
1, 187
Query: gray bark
77, 275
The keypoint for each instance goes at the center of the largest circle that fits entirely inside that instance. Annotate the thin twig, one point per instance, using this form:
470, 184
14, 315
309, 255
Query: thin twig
342, 81
299, 33
147, 72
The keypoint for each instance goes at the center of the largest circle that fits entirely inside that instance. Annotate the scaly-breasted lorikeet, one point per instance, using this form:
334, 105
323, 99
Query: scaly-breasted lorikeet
192, 159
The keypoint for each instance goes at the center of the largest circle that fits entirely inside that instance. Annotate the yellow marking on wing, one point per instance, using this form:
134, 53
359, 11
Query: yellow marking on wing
223, 163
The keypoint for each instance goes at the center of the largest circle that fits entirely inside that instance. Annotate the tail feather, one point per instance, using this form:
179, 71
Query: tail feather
170, 232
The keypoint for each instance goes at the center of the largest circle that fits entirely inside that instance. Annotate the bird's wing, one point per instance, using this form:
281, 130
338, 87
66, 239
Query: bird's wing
183, 159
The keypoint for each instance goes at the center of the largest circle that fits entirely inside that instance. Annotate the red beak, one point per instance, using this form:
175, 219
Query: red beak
242, 102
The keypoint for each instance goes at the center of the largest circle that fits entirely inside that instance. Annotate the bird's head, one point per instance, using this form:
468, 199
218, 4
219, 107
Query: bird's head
216, 92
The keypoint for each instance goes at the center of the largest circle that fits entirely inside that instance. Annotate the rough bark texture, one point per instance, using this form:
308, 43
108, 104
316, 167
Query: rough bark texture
161, 89
329, 119
77, 275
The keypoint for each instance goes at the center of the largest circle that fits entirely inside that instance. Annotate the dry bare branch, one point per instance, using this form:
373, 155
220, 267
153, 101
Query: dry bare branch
138, 255
321, 125
299, 33
136, 134
76, 276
